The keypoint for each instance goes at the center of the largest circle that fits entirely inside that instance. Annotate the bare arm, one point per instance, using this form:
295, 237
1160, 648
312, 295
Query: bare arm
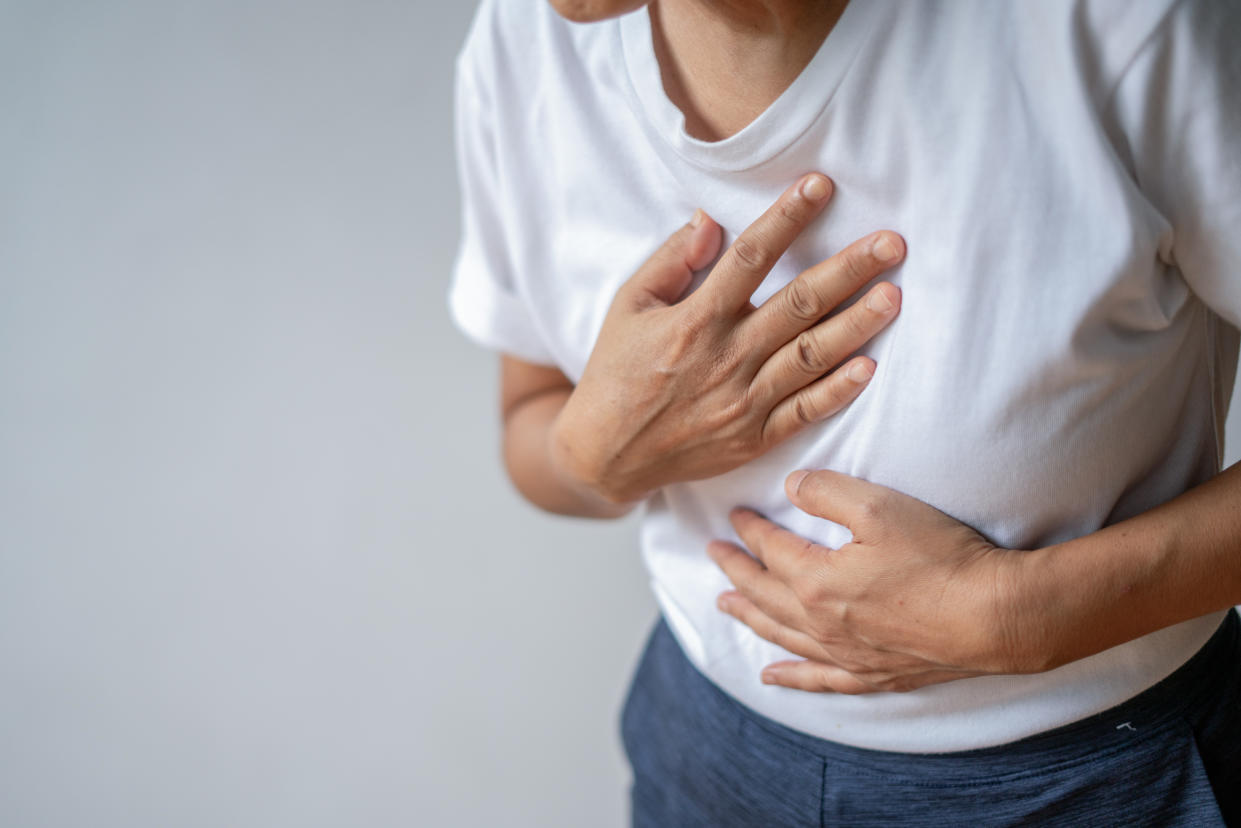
1173, 563
531, 397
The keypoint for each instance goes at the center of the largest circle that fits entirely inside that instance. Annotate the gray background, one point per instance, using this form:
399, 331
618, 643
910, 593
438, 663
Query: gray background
258, 562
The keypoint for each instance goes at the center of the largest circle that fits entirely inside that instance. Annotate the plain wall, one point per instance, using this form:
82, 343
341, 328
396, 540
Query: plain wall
258, 562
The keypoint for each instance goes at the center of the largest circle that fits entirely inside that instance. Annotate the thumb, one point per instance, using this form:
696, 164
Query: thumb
854, 503
664, 277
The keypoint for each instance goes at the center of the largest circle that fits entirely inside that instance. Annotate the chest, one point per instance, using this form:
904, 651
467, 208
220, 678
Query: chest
1017, 214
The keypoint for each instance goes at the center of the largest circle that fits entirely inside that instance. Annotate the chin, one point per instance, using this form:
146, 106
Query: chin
588, 11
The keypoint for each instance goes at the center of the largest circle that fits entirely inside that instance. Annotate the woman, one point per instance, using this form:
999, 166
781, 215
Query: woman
1064, 175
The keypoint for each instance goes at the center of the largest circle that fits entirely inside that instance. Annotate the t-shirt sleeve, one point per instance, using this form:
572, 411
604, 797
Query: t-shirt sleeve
1179, 104
484, 299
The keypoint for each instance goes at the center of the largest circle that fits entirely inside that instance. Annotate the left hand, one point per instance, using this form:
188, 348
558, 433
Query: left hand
916, 597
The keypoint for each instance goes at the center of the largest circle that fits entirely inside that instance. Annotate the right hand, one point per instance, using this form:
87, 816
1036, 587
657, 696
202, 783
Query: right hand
687, 388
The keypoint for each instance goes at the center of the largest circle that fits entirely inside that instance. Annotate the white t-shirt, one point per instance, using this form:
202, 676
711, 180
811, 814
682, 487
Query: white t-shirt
1067, 176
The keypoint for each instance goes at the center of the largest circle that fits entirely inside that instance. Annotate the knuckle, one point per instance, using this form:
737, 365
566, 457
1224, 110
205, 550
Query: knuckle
809, 592
792, 210
744, 446
768, 434
804, 410
857, 324
730, 425
856, 267
693, 316
726, 358
738, 408
872, 506
676, 353
751, 254
837, 393
700, 319
801, 303
809, 354
751, 402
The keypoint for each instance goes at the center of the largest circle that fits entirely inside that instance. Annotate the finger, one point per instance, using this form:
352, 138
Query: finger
786, 554
850, 501
814, 677
704, 241
782, 635
751, 256
817, 350
818, 291
817, 401
820, 676
665, 276
753, 581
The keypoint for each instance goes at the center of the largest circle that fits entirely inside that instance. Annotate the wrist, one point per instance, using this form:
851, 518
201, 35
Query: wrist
1023, 613
1063, 605
1088, 594
575, 463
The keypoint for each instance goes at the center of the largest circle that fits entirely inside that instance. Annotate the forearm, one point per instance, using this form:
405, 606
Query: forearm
532, 465
1175, 562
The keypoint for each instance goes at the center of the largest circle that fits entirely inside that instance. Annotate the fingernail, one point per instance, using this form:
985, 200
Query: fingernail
698, 216
723, 602
793, 483
860, 371
883, 249
770, 676
815, 188
878, 301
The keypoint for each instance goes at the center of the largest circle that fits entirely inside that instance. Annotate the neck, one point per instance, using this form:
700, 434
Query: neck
723, 62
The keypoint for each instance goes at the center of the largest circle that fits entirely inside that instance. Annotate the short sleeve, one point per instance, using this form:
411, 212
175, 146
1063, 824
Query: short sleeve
1179, 104
484, 298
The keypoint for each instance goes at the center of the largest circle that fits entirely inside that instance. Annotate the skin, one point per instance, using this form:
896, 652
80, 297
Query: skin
590, 11
687, 388
730, 381
916, 598
703, 46
919, 598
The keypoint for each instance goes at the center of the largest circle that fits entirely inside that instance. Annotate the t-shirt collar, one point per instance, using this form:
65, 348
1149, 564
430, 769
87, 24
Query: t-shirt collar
788, 117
